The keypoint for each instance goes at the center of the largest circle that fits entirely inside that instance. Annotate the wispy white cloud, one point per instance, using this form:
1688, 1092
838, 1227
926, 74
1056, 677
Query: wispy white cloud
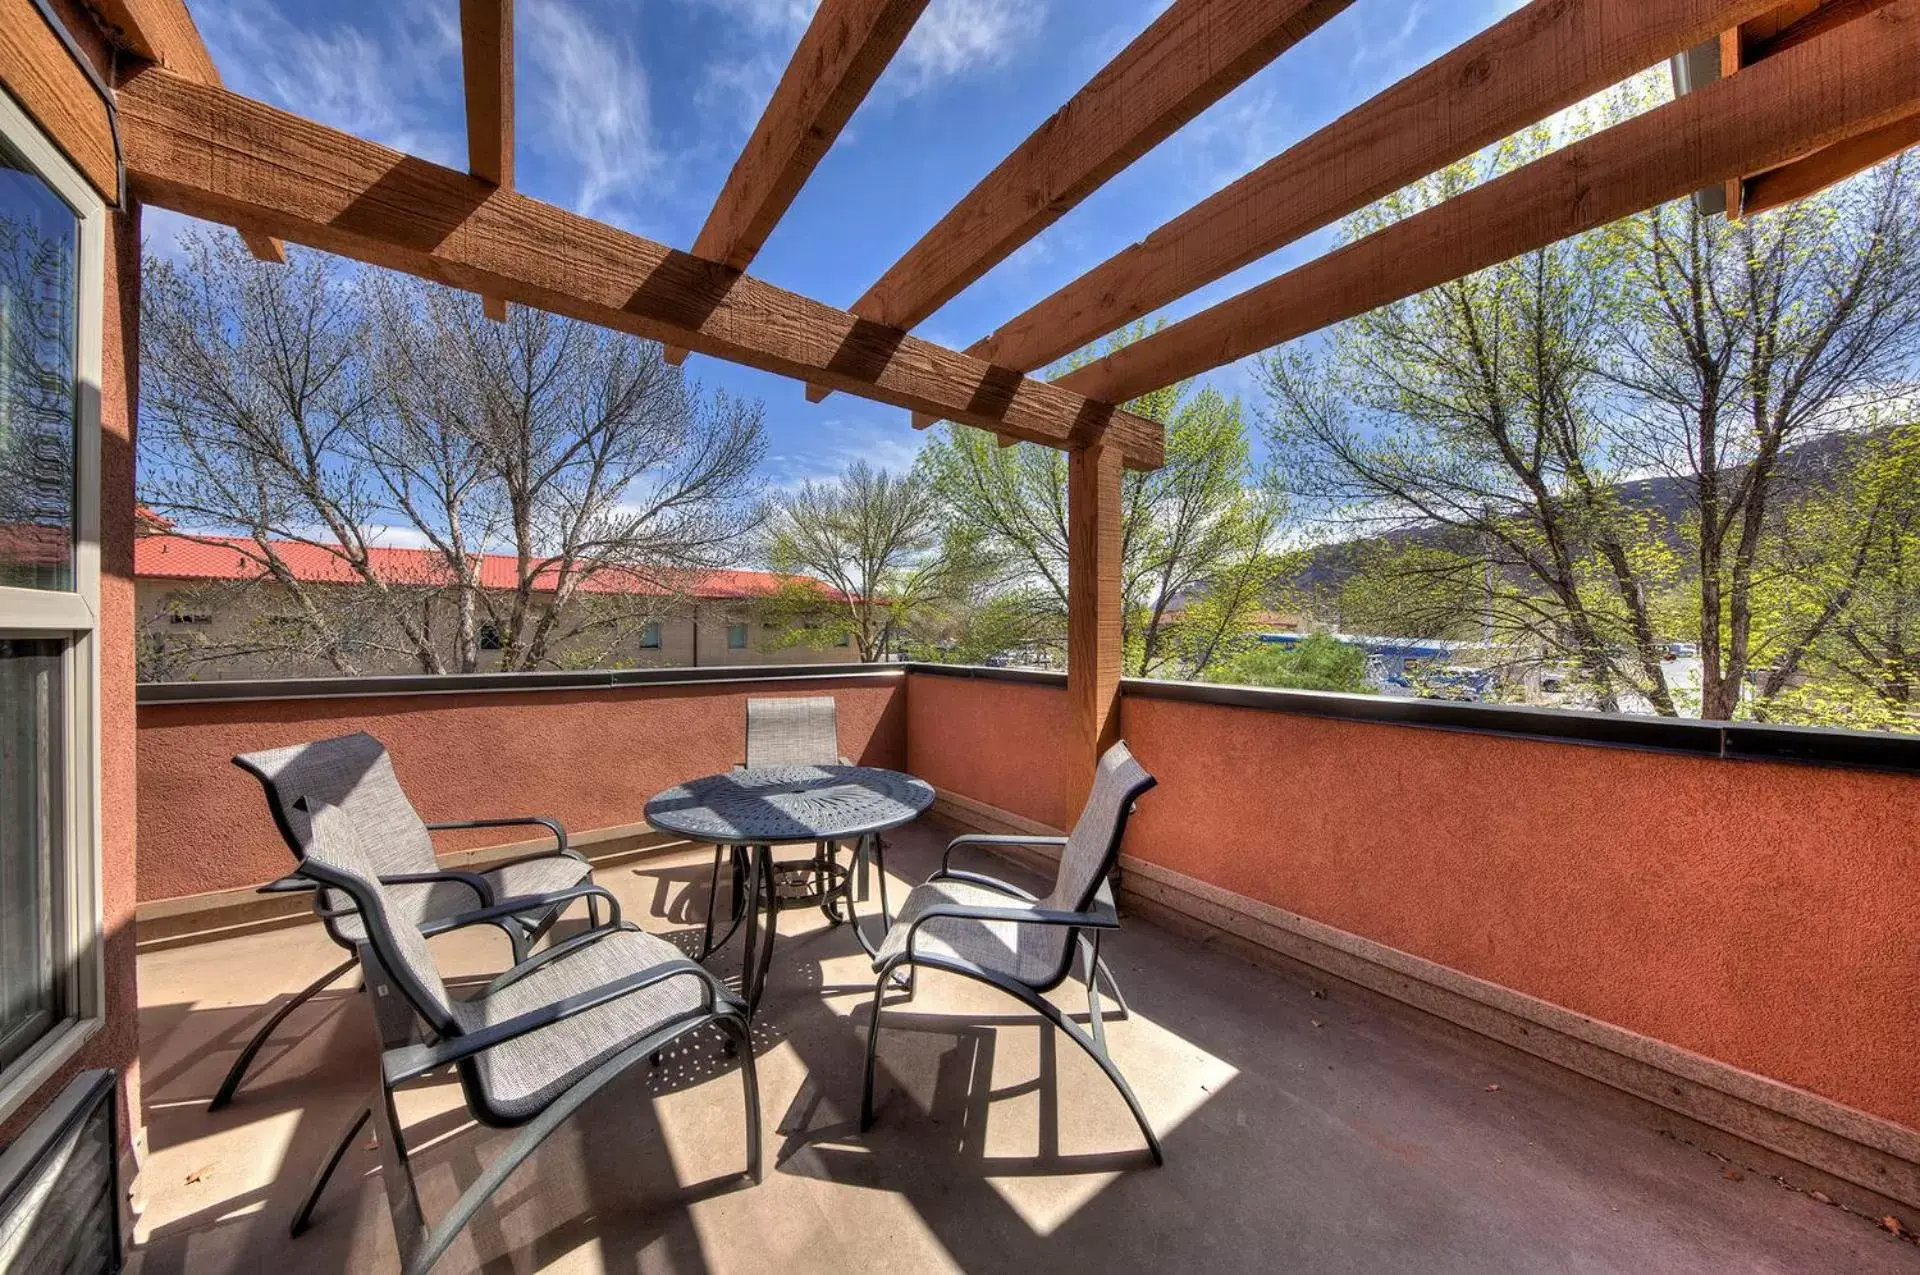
833, 444
587, 92
952, 38
957, 36
388, 84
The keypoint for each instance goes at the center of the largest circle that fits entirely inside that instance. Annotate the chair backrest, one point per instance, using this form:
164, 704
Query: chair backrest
1094, 844
338, 860
354, 774
792, 732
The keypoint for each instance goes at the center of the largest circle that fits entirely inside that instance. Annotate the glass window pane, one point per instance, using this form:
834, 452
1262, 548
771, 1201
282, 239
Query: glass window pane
39, 336
32, 810
737, 637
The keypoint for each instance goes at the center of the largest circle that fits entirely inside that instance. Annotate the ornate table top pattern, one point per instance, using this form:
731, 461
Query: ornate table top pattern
774, 805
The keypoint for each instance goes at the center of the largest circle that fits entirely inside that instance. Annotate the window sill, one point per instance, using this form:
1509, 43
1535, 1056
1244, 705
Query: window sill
39, 1065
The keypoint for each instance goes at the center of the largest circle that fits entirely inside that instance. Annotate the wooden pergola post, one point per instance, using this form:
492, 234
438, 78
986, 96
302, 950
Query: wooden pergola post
1093, 614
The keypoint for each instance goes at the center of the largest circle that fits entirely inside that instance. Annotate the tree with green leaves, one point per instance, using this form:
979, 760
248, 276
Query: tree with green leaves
1737, 341
1498, 433
1471, 414
1318, 662
1837, 616
1199, 535
878, 539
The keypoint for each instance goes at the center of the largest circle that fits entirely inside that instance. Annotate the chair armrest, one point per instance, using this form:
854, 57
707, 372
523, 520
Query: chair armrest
553, 951
983, 839
411, 1061
1100, 917
471, 880
518, 821
520, 904
985, 882
288, 885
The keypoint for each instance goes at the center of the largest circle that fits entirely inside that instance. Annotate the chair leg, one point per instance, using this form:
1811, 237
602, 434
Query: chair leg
1047, 1009
740, 1036
531, 1135
1092, 962
873, 1045
238, 1072
304, 1217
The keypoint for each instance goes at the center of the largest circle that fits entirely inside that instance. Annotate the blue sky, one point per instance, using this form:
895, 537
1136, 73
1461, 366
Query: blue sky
633, 111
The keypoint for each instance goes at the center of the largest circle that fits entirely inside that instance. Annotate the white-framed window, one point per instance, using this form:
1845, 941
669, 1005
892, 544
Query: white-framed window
52, 246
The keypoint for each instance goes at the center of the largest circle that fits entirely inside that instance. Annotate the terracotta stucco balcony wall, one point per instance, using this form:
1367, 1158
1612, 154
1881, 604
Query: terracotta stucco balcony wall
1668, 907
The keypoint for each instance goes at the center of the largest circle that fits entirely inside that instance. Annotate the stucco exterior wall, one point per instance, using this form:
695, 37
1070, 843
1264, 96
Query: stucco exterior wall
997, 742
1757, 913
117, 1044
588, 758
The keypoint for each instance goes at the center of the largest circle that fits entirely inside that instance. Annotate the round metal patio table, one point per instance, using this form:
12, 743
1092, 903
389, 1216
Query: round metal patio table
754, 810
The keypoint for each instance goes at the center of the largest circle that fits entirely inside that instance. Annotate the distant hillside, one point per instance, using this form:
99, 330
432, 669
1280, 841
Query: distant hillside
1330, 566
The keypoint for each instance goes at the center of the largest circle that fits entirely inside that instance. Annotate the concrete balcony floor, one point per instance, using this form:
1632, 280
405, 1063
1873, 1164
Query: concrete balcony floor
1302, 1132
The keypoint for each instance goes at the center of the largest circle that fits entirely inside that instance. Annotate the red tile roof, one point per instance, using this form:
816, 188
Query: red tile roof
171, 557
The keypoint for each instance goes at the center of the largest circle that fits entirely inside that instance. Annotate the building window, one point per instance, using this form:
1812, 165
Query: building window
52, 238
39, 402
846, 639
650, 637
190, 617
489, 636
736, 637
32, 828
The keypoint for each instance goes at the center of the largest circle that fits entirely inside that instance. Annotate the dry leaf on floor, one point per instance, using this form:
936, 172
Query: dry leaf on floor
1493, 1088
1732, 1174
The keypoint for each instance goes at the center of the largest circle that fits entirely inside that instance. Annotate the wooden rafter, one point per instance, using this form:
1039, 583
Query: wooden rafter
1190, 57
844, 50
486, 60
211, 153
1779, 29
1547, 56
1843, 84
162, 32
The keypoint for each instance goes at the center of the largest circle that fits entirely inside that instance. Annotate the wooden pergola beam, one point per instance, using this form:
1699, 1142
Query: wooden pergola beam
1816, 172
1547, 56
486, 62
162, 32
1189, 58
1844, 84
840, 56
1782, 28
211, 153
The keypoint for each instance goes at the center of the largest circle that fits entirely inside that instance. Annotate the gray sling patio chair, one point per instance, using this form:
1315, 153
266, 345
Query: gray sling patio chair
789, 731
355, 773
985, 929
529, 1049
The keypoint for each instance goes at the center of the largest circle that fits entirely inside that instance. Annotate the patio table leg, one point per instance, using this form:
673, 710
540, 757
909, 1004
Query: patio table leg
771, 902
757, 957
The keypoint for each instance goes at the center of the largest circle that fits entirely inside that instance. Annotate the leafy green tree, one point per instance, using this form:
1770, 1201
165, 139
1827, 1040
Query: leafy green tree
1317, 663
878, 539
1471, 413
1838, 622
1199, 535
1737, 341
1500, 425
